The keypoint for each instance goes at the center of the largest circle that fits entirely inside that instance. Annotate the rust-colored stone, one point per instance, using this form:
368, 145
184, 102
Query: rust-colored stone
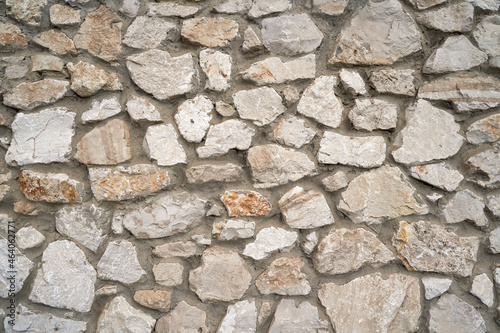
11, 36
49, 187
245, 203
154, 299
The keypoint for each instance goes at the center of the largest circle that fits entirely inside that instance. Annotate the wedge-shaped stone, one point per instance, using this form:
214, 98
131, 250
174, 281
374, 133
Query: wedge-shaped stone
241, 317
221, 138
245, 203
261, 105
184, 318
161, 144
457, 17
148, 32
233, 229
485, 130
165, 216
451, 314
263, 7
87, 79
101, 110
251, 41
381, 305
27, 96
270, 240
466, 206
344, 251
394, 81
210, 31
170, 9
193, 118
204, 173
486, 36
11, 36
217, 67
302, 318
284, 277
486, 166
12, 257
441, 175
117, 315
119, 263
374, 114
379, 195
427, 247
56, 41
380, 34
50, 187
293, 131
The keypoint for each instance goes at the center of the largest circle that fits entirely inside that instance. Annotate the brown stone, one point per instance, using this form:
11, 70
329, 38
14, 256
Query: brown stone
154, 299
25, 208
87, 79
245, 203
27, 96
50, 187
11, 36
56, 41
283, 277
210, 31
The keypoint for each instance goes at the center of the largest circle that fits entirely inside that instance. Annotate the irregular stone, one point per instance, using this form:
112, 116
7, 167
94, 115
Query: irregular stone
16, 71
28, 238
130, 7
27, 96
302, 318
11, 36
167, 215
382, 305
374, 114
424, 4
362, 43
233, 229
65, 279
494, 241
154, 299
148, 32
487, 165
88, 225
101, 110
202, 240
100, 34
353, 82
482, 288
46, 62
63, 15
221, 138
42, 137
87, 79
210, 31
217, 67
381, 194
176, 249
344, 251
36, 321
291, 95
170, 9
25, 208
273, 70
451, 314
465, 206
161, 75
364, 152
113, 138
430, 133
245, 203
484, 130
427, 247
117, 315
330, 7
261, 8
50, 187
193, 118
4, 187
264, 312
441, 175
140, 108
184, 318
168, 274
119, 263
215, 210
261, 105
435, 287
20, 264
270, 240
493, 204
452, 18
107, 290
320, 102
224, 109
310, 242
251, 41
161, 144
394, 81
117, 222
204, 173
241, 317
284, 277
56, 41
221, 276
492, 5
335, 181
26, 11
294, 132
273, 165
486, 35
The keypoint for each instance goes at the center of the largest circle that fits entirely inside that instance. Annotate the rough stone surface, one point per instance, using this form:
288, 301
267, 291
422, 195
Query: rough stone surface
224, 109
101, 110
170, 9
245, 203
210, 31
87, 79
21, 264
56, 41
352, 81
184, 318
63, 15
302, 318
217, 67
50, 187
193, 118
486, 4
484, 130
234, 6
175, 249
335, 181
140, 108
465, 206
261, 105
29, 237
251, 41
374, 114
451, 314
240, 318
46, 62
441, 175
457, 17
424, 4
487, 37
493, 204
487, 165
154, 299
11, 36
262, 7
117, 315
221, 138
26, 11
119, 263
435, 287
330, 7
482, 288
270, 240
27, 96
294, 132
494, 241
233, 229
394, 81
148, 32
161, 144
214, 173
36, 321
284, 277
168, 274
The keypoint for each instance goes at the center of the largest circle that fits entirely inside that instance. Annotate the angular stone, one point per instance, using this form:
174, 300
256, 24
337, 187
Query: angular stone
233, 229
25, 208
430, 133
465, 206
234, 6
484, 130
65, 279
56, 41
168, 274
148, 32
374, 114
161, 144
170, 9
117, 315
176, 249
224, 109
101, 110
114, 140
27, 96
167, 215
494, 241
107, 290
493, 204
482, 288
427, 247
273, 70
161, 75
320, 102
11, 36
381, 194
310, 242
87, 79
119, 263
64, 15
251, 41
88, 225
240, 318
201, 239
21, 264
130, 7
245, 203
140, 108
302, 318
154, 299
293, 131
487, 166
290, 34
221, 138
270, 240
100, 34
16, 71
28, 238
394, 81
344, 251
284, 277
193, 118
364, 152
263, 7
215, 210
46, 62
435, 287
452, 18
204, 173
381, 305
210, 31
335, 181
50, 187
221, 276
217, 67
42, 137
184, 318
353, 82
273, 165
330, 7
261, 105
424, 4
26, 11
264, 312
492, 5
441, 175
451, 314
486, 35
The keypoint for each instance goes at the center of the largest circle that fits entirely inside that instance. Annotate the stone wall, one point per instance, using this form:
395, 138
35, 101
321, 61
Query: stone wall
249, 165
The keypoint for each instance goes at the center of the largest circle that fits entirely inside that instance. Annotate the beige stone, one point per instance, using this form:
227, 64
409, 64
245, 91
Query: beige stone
262, 105
304, 318
217, 67
284, 277
441, 175
154, 299
149, 32
50, 187
56, 41
26, 11
117, 315
457, 17
87, 79
176, 249
210, 31
169, 274
46, 62
330, 7
63, 15
184, 318
27, 96
245, 203
11, 36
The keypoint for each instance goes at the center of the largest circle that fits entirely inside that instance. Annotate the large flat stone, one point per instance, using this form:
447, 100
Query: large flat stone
27, 96
221, 138
452, 315
50, 187
465, 206
241, 317
56, 41
486, 36
87, 79
161, 144
261, 105
26, 11
441, 175
457, 17
119, 263
210, 31
117, 315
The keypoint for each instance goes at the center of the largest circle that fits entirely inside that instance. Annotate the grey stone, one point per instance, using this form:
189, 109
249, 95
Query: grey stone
487, 37
204, 173
221, 138
184, 318
270, 240
234, 6
284, 277
492, 5
130, 7
21, 264
210, 31
394, 81
101, 110
119, 263
493, 204
291, 95
241, 317
435, 287
302, 318
310, 242
224, 109
424, 4
251, 41
64, 15
353, 82
26, 11
452, 315
16, 71
484, 130
335, 181
374, 114
262, 7
294, 132
330, 7
487, 165
87, 79
441, 175
140, 108
217, 67
29, 237
233, 229
261, 105
161, 144
117, 315
465, 206
27, 96
56, 41
176, 249
482, 288
494, 241
169, 274
46, 62
149, 32
457, 17
193, 118
170, 9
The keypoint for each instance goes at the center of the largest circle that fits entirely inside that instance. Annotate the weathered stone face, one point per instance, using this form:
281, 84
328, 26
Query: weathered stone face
210, 32
50, 187
245, 203
451, 314
283, 277
20, 262
118, 315
28, 96
87, 79
185, 318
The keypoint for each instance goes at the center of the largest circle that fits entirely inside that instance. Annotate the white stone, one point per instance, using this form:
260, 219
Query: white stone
140, 108
263, 7
161, 144
221, 138
261, 105
21, 265
452, 315
482, 288
458, 17
233, 229
484, 130
170, 9
193, 118
148, 32
29, 237
294, 132
487, 165
303, 318
374, 114
119, 263
394, 81
184, 318
130, 7
241, 317
117, 315
311, 240
270, 240
465, 206
435, 287
494, 241
234, 6
493, 204
441, 175
101, 110
353, 82
217, 67
487, 36
169, 274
